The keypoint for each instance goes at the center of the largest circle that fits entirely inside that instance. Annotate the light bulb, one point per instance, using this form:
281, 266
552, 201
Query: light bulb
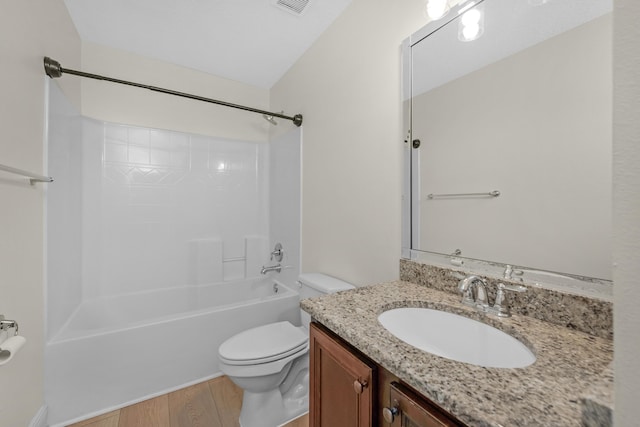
436, 9
470, 32
471, 24
471, 17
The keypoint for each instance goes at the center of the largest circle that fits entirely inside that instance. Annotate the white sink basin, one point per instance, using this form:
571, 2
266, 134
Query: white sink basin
456, 337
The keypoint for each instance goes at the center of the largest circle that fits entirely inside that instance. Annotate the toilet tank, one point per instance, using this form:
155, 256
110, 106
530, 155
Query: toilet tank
316, 284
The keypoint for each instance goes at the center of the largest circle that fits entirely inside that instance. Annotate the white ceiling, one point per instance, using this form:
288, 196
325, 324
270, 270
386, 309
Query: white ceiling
251, 41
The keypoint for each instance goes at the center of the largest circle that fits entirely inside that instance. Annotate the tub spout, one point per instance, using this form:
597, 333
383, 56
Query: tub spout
269, 268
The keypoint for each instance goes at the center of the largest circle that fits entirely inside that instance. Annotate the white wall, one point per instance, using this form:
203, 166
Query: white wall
124, 104
28, 31
347, 85
626, 208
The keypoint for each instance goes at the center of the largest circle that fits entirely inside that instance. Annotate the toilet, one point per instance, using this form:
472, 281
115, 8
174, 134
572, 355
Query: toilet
271, 362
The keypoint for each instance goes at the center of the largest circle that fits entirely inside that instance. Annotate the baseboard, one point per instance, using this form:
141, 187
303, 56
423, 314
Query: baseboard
40, 419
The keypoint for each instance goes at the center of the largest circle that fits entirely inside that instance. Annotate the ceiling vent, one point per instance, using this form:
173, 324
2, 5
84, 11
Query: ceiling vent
294, 6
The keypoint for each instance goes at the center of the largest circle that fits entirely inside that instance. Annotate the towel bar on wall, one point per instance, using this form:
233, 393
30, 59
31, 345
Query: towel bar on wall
33, 178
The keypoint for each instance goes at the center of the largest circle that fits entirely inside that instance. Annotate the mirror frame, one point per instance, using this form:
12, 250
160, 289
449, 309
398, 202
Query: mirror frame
563, 282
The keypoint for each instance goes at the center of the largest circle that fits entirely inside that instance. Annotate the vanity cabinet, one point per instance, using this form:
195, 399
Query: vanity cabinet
349, 390
341, 383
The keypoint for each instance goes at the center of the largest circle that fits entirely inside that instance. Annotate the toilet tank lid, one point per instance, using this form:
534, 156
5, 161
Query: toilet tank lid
324, 283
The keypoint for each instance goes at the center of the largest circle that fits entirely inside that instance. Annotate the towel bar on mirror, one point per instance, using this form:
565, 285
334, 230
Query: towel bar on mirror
494, 193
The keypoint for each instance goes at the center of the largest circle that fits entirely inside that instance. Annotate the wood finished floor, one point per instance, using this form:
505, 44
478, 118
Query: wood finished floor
214, 403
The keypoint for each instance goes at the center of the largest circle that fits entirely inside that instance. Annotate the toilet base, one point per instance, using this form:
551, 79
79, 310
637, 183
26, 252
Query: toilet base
261, 409
270, 410
279, 406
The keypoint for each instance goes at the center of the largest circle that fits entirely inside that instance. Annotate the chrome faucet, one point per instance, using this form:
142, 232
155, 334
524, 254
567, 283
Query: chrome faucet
474, 291
474, 294
269, 268
278, 254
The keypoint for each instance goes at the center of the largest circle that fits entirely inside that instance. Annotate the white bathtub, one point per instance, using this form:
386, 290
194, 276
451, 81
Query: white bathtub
120, 350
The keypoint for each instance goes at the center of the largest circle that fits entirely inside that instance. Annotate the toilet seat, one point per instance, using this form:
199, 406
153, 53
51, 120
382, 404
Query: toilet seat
253, 370
263, 344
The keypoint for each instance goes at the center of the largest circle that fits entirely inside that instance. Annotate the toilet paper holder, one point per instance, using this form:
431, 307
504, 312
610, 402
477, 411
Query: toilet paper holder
8, 324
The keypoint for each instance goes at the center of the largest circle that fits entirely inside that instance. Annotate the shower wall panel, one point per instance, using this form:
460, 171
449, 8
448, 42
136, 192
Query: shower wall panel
134, 209
63, 205
285, 194
174, 209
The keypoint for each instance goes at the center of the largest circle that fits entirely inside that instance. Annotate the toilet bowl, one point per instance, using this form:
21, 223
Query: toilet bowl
271, 362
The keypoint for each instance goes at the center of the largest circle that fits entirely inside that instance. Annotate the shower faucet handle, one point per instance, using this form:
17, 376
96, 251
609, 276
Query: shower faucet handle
277, 253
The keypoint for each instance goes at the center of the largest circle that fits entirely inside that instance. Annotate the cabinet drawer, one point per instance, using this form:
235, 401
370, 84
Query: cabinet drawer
409, 409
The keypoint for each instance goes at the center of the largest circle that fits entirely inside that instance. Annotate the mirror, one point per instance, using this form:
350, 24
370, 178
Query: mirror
514, 128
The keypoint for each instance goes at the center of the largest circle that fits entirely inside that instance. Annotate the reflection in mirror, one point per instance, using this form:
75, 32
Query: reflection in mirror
514, 162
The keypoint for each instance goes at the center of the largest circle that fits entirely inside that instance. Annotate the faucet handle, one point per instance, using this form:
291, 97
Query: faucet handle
278, 253
509, 272
500, 308
511, 288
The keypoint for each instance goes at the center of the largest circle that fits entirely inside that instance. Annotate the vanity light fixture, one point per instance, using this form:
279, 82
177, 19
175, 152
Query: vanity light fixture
436, 9
471, 24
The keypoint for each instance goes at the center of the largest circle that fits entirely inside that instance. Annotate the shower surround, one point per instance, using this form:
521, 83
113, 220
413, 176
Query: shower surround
142, 217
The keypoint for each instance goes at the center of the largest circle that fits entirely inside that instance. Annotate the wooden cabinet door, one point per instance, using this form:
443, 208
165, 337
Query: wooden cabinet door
341, 383
412, 410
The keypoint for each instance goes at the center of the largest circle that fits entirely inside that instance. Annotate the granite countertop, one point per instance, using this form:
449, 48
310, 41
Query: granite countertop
547, 393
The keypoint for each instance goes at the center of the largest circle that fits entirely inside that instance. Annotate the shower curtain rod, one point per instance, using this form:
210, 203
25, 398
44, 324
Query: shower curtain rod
53, 69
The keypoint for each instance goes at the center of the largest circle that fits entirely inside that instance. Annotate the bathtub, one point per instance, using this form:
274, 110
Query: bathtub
119, 350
